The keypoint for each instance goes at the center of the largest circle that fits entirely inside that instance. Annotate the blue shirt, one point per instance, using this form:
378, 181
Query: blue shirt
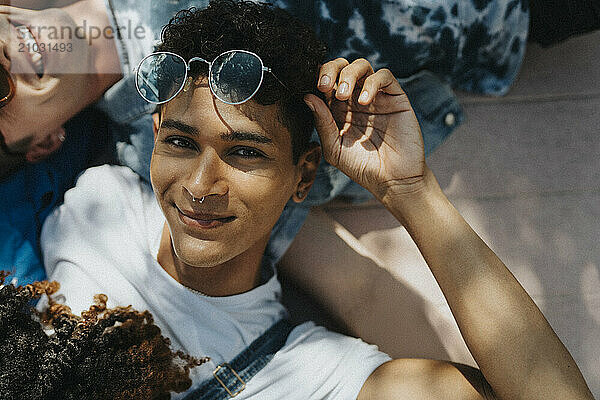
29, 195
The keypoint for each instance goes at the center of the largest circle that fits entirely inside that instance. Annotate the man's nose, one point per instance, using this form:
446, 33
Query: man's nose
4, 53
208, 176
6, 37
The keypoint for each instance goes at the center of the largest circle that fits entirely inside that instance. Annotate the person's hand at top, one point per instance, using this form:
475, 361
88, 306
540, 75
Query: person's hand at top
368, 128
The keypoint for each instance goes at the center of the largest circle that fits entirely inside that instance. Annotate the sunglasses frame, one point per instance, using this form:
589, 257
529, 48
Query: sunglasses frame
11, 84
210, 82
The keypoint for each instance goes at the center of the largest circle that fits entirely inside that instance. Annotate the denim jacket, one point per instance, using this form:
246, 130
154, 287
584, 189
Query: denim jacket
474, 45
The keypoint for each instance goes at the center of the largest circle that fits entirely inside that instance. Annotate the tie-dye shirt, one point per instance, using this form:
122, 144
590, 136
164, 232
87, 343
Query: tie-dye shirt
475, 45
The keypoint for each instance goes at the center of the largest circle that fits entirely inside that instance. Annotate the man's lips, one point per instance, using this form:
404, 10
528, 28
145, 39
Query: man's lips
203, 220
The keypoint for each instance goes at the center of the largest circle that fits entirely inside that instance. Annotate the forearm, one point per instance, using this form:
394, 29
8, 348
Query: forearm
513, 344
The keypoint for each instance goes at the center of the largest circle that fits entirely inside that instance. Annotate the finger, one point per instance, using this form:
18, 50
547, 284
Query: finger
350, 75
325, 124
328, 74
382, 80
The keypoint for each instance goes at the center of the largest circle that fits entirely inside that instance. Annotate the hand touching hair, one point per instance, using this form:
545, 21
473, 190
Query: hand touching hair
103, 354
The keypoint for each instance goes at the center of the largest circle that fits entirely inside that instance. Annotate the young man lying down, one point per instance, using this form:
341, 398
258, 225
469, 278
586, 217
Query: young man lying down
236, 85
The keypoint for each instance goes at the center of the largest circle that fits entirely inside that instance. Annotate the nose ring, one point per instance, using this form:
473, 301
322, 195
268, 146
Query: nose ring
194, 199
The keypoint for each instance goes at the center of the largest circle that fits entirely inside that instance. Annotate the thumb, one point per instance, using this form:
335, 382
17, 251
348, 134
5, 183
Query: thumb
326, 127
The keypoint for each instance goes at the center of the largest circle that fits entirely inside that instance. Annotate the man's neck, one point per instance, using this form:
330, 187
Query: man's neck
105, 64
238, 275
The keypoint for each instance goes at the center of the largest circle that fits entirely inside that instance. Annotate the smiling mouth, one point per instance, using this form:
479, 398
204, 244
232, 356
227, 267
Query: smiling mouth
33, 48
204, 221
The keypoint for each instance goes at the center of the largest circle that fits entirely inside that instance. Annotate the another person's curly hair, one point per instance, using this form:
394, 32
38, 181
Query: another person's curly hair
104, 354
285, 44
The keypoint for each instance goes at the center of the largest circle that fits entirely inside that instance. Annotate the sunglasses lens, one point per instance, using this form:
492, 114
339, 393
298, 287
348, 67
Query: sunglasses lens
235, 76
5, 86
160, 77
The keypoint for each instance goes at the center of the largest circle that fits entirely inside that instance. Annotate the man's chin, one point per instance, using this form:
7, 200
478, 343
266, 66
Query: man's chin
203, 253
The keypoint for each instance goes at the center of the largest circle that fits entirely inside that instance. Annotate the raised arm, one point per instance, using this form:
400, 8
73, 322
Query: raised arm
375, 139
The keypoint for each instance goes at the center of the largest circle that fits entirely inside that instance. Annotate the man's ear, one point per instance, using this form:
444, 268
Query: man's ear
45, 146
155, 123
308, 164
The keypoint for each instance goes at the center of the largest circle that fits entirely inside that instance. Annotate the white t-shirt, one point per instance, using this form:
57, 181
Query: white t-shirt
105, 238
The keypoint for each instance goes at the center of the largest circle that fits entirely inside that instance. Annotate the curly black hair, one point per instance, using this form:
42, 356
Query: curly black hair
285, 44
103, 354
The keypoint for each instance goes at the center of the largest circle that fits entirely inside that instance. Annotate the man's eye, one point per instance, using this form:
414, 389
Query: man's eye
179, 142
247, 153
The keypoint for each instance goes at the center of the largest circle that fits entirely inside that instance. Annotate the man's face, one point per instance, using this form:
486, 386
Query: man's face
48, 90
239, 158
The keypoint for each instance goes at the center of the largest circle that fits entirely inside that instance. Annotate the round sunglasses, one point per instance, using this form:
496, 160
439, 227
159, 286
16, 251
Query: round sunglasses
234, 76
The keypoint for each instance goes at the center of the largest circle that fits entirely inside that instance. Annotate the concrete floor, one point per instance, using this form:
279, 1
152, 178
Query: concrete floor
524, 170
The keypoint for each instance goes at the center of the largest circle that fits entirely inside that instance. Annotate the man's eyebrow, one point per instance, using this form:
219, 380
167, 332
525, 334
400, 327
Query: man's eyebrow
234, 136
180, 126
246, 136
